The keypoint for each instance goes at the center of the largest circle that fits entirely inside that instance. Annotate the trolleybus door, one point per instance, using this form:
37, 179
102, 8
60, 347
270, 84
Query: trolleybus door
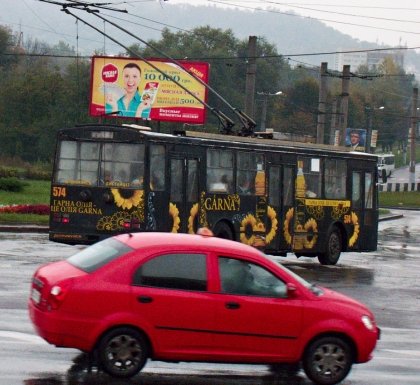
364, 211
281, 194
184, 206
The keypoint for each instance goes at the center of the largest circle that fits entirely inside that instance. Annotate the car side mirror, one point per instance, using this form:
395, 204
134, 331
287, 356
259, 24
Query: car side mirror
384, 177
292, 291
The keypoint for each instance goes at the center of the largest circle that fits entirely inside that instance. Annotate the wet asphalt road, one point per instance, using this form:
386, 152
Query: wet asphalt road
385, 280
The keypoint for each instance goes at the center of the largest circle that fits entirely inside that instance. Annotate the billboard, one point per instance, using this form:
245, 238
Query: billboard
356, 139
131, 88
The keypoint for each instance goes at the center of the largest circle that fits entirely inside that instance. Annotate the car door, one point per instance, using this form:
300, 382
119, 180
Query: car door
254, 316
170, 298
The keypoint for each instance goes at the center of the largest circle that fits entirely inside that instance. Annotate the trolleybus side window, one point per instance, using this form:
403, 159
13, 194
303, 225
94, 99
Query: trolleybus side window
288, 182
78, 163
312, 172
220, 171
247, 166
177, 166
368, 190
335, 179
355, 192
274, 190
157, 167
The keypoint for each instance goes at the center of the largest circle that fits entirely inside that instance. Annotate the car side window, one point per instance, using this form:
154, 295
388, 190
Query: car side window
245, 278
173, 271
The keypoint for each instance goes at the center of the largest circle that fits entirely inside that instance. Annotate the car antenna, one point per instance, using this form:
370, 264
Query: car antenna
248, 124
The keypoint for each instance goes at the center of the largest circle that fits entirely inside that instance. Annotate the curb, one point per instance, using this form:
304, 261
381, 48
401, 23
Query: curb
23, 228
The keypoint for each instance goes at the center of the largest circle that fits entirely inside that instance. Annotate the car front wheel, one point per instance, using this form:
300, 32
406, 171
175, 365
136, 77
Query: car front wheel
327, 360
123, 352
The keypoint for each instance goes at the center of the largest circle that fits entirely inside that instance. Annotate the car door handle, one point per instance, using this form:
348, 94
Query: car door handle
232, 305
144, 299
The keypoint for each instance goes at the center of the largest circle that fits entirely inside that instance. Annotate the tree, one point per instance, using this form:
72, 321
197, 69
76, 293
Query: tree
296, 112
228, 62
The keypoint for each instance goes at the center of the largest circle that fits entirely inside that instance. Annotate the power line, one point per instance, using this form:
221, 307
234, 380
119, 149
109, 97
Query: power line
315, 18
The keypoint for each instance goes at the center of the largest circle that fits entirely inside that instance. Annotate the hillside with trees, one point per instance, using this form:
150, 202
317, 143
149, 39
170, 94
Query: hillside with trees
46, 88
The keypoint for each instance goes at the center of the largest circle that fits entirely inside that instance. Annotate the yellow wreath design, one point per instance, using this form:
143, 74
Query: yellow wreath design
248, 221
310, 226
174, 213
272, 215
287, 221
355, 222
193, 214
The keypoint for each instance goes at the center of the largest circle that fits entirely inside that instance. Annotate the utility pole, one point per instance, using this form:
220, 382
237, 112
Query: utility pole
321, 104
333, 122
250, 77
344, 104
414, 126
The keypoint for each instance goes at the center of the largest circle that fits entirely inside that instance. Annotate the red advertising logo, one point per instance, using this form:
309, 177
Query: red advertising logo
109, 73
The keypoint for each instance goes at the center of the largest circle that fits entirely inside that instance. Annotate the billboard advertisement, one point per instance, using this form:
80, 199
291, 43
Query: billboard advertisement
356, 139
131, 88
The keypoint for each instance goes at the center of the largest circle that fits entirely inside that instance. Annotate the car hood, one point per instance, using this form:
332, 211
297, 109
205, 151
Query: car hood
343, 300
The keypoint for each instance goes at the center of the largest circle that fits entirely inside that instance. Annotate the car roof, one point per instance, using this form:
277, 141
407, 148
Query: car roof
185, 241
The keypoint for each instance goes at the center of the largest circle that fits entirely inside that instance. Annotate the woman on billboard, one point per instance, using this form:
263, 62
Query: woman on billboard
131, 103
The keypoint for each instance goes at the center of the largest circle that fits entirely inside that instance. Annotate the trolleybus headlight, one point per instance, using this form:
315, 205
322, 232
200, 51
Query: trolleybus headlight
108, 198
85, 196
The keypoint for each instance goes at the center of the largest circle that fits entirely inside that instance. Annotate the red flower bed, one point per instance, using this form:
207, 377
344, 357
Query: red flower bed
26, 209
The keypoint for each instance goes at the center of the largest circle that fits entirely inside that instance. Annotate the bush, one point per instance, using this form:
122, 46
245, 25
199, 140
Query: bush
26, 209
12, 184
36, 175
7, 173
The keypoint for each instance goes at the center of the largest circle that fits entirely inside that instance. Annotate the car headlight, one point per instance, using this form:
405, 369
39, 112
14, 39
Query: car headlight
368, 322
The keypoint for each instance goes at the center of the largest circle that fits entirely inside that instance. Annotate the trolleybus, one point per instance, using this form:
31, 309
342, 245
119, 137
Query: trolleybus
282, 197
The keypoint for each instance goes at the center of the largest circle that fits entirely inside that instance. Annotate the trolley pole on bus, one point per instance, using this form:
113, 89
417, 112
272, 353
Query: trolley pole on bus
413, 134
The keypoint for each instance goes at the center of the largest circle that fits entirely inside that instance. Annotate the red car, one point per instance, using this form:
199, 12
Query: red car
179, 297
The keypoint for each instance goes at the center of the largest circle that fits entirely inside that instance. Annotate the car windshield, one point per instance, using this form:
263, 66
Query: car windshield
313, 288
98, 255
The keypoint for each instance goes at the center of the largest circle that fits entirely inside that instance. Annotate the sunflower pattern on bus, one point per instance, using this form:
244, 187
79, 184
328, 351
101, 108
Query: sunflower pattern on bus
338, 211
316, 211
126, 198
355, 222
252, 231
192, 218
271, 213
287, 228
174, 215
311, 228
308, 237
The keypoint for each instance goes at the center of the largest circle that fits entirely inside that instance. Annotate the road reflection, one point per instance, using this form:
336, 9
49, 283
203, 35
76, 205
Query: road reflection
79, 375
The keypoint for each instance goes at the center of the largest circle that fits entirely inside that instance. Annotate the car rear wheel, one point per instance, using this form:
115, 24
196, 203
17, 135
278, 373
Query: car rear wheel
333, 249
123, 352
327, 360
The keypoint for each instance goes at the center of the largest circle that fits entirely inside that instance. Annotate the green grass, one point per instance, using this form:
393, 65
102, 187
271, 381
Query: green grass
38, 192
24, 218
399, 199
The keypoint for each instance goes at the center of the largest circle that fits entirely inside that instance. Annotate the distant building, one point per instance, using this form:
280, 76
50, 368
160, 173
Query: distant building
350, 56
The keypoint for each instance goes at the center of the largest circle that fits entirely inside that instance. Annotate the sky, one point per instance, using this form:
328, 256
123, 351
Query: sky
387, 22
383, 21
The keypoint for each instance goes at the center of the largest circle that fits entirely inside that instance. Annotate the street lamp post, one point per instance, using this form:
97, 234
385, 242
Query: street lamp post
266, 96
369, 132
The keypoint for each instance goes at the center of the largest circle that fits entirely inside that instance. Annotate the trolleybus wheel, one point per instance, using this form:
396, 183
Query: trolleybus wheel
333, 248
222, 230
